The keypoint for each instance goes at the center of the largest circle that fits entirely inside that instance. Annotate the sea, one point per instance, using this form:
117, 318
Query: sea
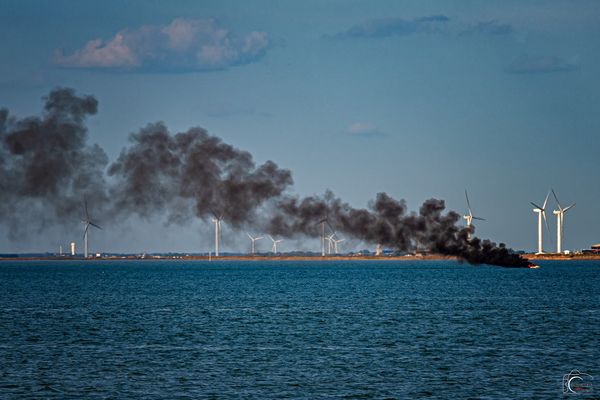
298, 330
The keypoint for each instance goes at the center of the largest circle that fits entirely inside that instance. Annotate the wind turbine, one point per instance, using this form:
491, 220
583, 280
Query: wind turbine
559, 222
335, 243
322, 223
469, 217
274, 247
86, 223
541, 211
330, 239
217, 221
253, 239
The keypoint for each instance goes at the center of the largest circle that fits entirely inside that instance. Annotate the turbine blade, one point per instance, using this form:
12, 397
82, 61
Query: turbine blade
271, 237
93, 224
468, 203
85, 231
87, 216
538, 207
251, 238
546, 221
556, 198
546, 200
479, 218
258, 238
330, 226
571, 206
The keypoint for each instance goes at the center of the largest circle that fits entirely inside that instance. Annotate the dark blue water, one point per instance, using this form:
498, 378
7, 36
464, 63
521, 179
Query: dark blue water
178, 330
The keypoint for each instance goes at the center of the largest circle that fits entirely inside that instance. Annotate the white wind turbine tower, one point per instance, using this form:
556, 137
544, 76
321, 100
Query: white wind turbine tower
469, 217
560, 222
541, 212
274, 247
253, 239
86, 223
217, 221
335, 243
322, 223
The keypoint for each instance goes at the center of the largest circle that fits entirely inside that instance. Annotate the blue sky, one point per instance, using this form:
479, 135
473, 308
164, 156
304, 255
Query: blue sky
418, 99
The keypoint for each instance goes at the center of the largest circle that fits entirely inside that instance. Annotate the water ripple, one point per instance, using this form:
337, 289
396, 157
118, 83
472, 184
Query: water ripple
354, 330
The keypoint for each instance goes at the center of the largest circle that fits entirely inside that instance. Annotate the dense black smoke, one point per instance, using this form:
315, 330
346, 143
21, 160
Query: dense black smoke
388, 223
191, 172
46, 164
47, 167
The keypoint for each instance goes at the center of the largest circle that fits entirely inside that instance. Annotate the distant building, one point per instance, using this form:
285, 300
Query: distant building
594, 249
72, 248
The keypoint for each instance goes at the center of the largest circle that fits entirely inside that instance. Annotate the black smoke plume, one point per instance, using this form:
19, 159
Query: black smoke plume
388, 223
47, 167
191, 173
46, 164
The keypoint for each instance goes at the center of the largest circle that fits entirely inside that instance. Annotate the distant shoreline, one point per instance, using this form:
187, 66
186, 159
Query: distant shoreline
424, 257
239, 258
562, 257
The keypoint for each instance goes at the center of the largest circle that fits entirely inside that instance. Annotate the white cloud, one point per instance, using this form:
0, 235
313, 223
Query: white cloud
182, 45
97, 53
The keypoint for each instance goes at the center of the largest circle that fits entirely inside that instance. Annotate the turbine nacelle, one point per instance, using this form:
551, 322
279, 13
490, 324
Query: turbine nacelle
254, 238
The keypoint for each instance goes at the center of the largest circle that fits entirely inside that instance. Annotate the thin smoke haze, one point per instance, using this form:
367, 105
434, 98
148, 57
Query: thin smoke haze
47, 167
